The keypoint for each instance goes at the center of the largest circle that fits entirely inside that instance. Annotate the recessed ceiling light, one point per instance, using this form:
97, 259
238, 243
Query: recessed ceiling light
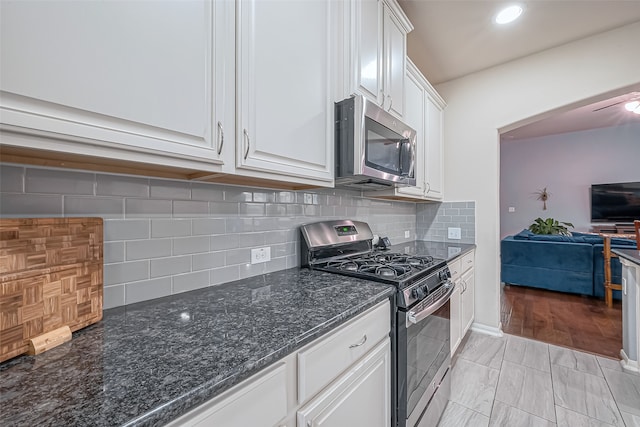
508, 14
632, 106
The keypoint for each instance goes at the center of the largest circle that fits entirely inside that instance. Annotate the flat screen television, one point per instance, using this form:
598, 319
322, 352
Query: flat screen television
619, 203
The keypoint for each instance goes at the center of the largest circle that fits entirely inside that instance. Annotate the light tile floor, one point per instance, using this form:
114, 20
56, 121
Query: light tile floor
514, 381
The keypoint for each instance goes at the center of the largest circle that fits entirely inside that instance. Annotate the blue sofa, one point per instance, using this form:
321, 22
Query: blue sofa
571, 264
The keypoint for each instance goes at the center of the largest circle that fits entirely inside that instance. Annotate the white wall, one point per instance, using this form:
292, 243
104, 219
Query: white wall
482, 103
567, 164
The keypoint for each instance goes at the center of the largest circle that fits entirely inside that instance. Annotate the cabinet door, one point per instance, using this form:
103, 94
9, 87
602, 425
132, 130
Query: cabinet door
415, 117
260, 401
125, 76
285, 111
456, 326
434, 153
361, 397
367, 49
395, 53
467, 312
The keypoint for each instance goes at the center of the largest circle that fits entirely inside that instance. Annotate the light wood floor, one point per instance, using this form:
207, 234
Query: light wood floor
567, 320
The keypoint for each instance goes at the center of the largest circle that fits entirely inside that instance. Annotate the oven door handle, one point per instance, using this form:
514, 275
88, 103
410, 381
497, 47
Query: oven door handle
414, 318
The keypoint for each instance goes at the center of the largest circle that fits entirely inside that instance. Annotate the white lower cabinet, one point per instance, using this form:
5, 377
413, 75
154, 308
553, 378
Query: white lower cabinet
462, 300
340, 379
456, 319
359, 397
259, 401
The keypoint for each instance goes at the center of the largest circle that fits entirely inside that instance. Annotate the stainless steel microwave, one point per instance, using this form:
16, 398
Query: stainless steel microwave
373, 148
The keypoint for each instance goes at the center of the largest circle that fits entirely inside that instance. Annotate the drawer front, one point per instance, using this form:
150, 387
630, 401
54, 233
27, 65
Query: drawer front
456, 269
467, 261
323, 361
265, 395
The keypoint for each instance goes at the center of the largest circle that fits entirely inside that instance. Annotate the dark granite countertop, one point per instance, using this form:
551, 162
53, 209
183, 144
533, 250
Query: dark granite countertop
148, 363
632, 255
445, 250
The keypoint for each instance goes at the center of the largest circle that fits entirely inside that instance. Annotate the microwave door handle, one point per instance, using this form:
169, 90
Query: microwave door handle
404, 172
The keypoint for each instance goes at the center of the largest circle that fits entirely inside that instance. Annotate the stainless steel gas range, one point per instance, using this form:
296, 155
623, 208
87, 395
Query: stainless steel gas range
422, 319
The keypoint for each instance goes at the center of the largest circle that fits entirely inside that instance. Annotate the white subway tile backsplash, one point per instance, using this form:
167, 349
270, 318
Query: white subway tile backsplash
30, 205
171, 265
223, 209
207, 261
286, 197
127, 229
147, 249
207, 192
190, 245
232, 194
190, 209
208, 226
250, 240
237, 256
252, 209
147, 289
147, 208
105, 207
125, 272
113, 296
12, 179
249, 270
239, 225
113, 252
58, 181
264, 197
224, 274
167, 236
224, 241
170, 227
190, 281
173, 190
115, 185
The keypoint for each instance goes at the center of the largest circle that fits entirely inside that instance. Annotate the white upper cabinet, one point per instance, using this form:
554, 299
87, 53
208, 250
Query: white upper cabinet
424, 113
414, 98
241, 91
129, 80
433, 145
378, 33
285, 88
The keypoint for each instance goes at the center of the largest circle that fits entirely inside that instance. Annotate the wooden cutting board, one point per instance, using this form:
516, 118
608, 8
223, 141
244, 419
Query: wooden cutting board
50, 277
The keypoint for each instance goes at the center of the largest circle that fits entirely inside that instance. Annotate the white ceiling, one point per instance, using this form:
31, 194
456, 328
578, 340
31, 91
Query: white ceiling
453, 38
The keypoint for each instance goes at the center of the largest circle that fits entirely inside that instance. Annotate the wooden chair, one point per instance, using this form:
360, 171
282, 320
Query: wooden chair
608, 286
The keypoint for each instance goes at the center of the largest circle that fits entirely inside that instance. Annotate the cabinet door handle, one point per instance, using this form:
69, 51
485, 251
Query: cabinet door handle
221, 138
362, 341
390, 102
383, 98
246, 135
428, 184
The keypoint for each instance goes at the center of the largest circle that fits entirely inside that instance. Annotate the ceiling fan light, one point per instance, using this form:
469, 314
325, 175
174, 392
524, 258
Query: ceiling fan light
637, 110
508, 14
632, 106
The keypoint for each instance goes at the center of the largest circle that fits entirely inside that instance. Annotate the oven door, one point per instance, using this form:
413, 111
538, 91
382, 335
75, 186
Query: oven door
426, 357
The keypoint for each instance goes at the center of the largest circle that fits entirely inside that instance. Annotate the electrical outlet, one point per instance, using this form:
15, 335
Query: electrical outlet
454, 233
407, 234
259, 255
512, 209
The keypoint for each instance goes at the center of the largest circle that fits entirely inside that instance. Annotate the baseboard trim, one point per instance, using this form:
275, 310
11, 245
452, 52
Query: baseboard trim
487, 330
628, 364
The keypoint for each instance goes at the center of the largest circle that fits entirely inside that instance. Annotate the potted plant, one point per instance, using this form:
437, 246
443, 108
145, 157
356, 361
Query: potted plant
550, 226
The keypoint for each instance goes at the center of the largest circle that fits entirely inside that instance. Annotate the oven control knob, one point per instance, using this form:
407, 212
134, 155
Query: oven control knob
444, 275
418, 293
